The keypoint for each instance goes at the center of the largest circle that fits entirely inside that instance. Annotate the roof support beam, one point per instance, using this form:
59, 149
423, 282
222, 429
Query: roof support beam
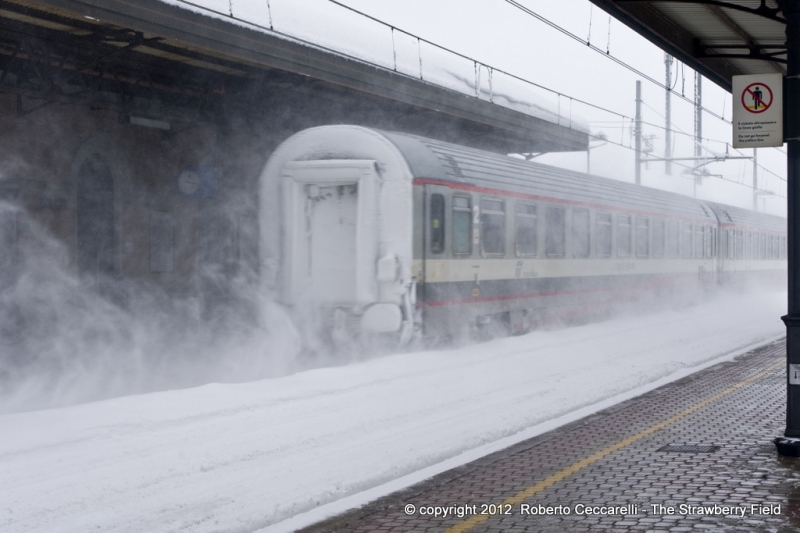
755, 49
651, 23
762, 11
185, 31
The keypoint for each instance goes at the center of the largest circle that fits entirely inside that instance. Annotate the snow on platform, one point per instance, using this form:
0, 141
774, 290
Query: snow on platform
239, 457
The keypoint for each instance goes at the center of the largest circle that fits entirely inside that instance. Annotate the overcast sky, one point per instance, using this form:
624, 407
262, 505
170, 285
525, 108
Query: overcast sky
500, 35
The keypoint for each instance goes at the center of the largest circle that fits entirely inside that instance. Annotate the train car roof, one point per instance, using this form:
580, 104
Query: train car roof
487, 172
746, 219
441, 161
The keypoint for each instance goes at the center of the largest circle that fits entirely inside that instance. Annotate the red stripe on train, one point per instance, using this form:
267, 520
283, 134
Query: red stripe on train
479, 299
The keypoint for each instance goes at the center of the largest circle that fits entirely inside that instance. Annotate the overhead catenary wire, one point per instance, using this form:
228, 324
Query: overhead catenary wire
678, 131
557, 93
564, 95
636, 71
681, 132
677, 163
489, 67
687, 167
614, 59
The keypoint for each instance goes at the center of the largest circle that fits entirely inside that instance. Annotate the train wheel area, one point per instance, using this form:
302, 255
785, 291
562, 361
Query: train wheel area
694, 454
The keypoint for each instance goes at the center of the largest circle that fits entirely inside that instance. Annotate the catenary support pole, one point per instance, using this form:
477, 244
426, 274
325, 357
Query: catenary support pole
638, 132
668, 117
792, 136
698, 114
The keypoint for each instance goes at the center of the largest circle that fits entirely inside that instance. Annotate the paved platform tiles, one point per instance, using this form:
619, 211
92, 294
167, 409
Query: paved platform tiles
613, 459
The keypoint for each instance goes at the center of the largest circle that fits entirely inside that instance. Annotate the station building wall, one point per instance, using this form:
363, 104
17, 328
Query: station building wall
105, 195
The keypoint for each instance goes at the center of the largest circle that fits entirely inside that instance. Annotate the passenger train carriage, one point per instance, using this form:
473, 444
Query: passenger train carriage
388, 232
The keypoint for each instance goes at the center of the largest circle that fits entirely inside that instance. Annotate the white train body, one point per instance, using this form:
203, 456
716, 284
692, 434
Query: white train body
386, 232
337, 222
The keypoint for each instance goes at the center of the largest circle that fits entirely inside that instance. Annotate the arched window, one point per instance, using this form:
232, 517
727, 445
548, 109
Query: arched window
95, 219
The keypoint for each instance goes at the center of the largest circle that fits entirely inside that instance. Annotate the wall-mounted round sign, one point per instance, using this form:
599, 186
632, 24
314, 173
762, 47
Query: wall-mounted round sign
188, 182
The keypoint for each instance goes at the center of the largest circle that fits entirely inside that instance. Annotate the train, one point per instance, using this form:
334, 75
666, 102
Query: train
376, 232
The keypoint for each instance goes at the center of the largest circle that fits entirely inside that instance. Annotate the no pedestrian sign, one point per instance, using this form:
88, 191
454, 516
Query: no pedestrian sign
757, 111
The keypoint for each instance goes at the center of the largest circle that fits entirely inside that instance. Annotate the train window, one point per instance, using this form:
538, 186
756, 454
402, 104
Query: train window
762, 246
526, 242
555, 226
673, 239
723, 244
623, 235
698, 241
659, 237
437, 224
713, 242
747, 245
707, 241
686, 241
642, 237
580, 233
769, 246
493, 227
462, 225
603, 234
739, 244
783, 247
731, 243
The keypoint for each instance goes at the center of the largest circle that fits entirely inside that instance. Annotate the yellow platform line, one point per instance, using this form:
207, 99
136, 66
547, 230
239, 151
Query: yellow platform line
587, 461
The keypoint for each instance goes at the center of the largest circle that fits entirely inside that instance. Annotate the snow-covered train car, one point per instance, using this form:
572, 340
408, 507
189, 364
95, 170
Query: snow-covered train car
752, 246
387, 232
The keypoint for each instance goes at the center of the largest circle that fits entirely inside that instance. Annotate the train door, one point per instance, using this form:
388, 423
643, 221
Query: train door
330, 229
331, 213
711, 251
722, 253
435, 258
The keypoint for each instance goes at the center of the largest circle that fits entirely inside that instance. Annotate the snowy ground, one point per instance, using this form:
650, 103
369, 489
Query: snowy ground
240, 457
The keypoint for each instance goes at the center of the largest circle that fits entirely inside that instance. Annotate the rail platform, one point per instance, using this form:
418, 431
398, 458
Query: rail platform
696, 454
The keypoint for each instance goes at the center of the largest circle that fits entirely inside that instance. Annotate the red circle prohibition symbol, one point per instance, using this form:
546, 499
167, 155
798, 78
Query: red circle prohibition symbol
758, 100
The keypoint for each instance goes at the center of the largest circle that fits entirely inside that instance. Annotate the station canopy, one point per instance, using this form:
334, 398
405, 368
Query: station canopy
719, 39
150, 45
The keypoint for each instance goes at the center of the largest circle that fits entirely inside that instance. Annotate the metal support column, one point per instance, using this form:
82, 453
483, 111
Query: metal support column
792, 319
638, 132
755, 179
